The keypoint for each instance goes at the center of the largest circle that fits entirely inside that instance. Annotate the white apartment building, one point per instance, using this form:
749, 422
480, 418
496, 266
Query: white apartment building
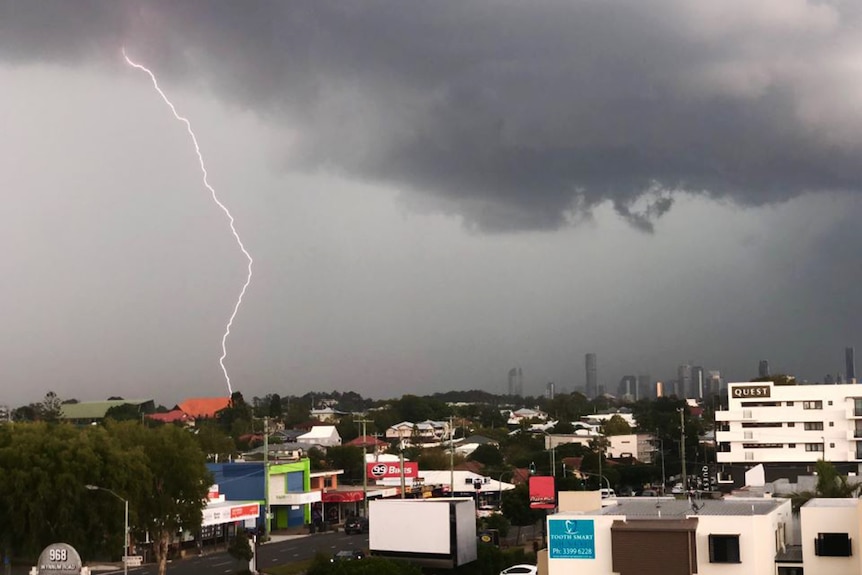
657, 536
786, 427
831, 531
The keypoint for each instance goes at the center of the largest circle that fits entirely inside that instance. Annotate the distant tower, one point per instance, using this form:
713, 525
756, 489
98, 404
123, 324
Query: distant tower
683, 381
645, 387
763, 368
713, 383
697, 382
628, 388
850, 365
516, 382
592, 376
551, 387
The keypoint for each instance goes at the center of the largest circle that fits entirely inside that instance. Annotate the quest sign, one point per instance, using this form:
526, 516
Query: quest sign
750, 391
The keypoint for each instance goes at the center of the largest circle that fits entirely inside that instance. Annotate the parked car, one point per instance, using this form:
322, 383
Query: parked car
356, 524
348, 555
648, 493
522, 569
608, 493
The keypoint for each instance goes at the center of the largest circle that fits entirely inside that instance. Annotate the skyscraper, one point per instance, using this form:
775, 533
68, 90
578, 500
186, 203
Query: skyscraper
646, 390
683, 381
763, 368
592, 376
551, 389
850, 365
697, 381
628, 388
516, 382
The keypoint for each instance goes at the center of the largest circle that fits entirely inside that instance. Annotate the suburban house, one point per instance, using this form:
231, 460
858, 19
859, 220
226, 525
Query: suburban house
425, 431
323, 435
87, 412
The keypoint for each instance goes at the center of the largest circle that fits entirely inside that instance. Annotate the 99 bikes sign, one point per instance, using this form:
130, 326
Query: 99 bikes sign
382, 470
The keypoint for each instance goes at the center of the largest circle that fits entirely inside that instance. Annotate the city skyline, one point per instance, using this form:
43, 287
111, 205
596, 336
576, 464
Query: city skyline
433, 194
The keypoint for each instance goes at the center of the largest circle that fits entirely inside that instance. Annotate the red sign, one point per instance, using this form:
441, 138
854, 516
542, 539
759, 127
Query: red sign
543, 493
382, 470
244, 510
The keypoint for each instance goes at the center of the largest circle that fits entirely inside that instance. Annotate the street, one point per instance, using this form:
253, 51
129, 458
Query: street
296, 548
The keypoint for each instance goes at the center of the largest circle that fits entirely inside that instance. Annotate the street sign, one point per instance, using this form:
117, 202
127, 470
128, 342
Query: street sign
59, 559
134, 560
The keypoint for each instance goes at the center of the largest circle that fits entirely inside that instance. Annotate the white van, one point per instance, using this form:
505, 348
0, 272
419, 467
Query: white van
606, 493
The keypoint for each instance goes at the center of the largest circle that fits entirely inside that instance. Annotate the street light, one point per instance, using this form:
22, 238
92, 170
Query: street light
500, 489
126, 532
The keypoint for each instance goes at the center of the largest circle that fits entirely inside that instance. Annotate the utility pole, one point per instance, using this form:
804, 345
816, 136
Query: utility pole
682, 447
267, 511
451, 458
365, 465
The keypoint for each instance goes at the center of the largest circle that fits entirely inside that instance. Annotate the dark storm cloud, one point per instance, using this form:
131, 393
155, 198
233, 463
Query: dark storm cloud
515, 115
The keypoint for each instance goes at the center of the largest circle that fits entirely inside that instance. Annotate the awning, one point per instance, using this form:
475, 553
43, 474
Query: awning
296, 498
343, 496
229, 511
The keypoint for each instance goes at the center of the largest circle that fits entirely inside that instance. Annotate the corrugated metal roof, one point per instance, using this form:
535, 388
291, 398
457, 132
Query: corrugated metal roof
94, 409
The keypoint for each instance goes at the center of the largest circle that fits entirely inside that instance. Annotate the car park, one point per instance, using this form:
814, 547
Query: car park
356, 524
522, 569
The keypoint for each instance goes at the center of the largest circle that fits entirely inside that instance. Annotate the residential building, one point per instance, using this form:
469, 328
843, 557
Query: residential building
787, 428
427, 431
323, 435
657, 536
830, 529
328, 414
640, 446
87, 412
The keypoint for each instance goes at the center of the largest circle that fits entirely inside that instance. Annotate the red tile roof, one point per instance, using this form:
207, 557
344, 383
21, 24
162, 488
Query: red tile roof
366, 441
203, 406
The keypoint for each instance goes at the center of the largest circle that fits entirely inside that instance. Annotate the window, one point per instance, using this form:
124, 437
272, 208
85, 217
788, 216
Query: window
813, 426
831, 424
791, 424
829, 402
832, 545
813, 447
857, 407
789, 404
812, 404
790, 571
791, 445
831, 445
724, 549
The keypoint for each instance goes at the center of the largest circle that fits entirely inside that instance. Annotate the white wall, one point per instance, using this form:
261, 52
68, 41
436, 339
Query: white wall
831, 516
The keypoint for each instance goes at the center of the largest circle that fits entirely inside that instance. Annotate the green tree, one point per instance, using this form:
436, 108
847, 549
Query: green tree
829, 484
516, 507
240, 548
124, 412
51, 407
487, 454
616, 425
176, 486
214, 442
349, 458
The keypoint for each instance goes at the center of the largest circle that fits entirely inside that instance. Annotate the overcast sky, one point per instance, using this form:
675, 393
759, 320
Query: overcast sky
432, 192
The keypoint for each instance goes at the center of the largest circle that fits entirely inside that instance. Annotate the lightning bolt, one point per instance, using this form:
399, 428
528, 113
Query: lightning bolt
212, 191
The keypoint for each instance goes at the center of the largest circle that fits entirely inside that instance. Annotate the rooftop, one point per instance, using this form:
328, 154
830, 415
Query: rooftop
829, 502
665, 507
